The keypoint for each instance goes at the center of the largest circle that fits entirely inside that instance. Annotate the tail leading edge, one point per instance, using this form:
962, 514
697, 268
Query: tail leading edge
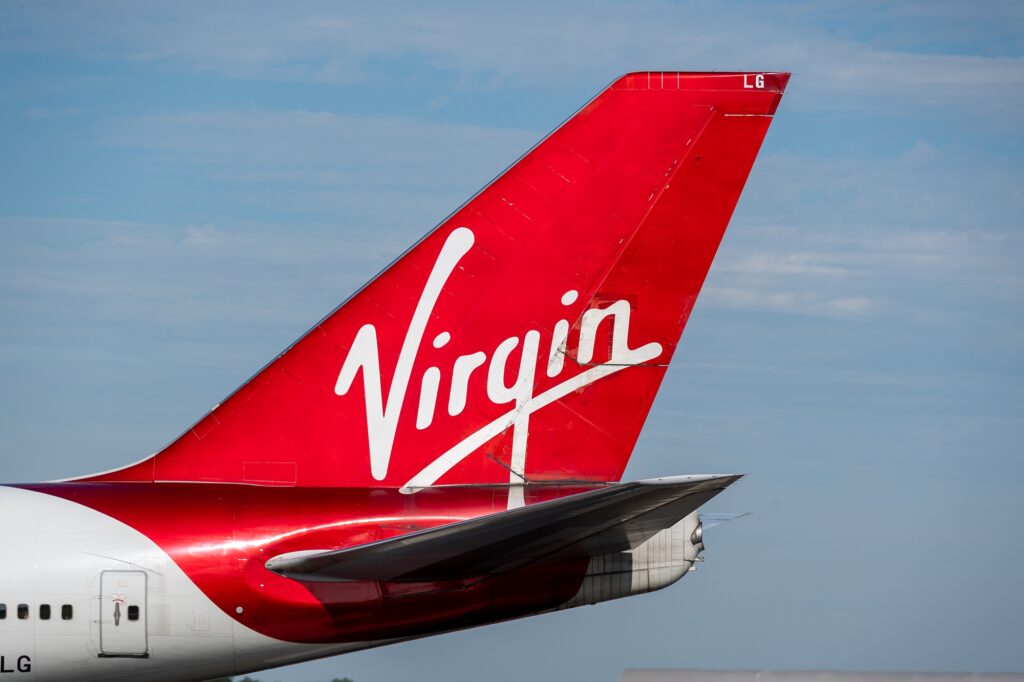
524, 338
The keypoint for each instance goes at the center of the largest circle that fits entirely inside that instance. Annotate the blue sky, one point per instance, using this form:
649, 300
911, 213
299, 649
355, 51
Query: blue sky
185, 188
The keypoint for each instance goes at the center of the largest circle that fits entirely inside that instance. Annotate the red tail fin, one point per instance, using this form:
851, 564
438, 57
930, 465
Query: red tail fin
526, 336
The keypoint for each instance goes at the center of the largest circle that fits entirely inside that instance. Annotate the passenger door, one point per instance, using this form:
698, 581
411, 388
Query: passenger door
123, 614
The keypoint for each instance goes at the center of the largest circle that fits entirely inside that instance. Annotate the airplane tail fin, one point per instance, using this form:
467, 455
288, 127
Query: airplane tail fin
525, 337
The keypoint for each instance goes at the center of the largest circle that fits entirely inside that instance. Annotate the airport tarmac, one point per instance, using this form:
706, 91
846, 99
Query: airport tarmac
687, 675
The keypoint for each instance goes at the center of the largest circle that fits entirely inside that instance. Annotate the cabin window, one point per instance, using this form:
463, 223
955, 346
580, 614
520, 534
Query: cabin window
22, 611
3, 611
133, 612
66, 612
44, 612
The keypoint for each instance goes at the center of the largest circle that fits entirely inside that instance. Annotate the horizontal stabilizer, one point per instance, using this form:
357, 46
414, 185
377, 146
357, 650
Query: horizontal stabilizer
613, 519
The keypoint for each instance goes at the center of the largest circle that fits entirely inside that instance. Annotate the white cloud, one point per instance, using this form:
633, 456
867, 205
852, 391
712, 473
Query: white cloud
786, 264
320, 148
253, 277
866, 228
796, 302
867, 270
378, 173
551, 45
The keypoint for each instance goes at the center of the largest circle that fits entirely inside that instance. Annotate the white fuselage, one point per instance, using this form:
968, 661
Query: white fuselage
57, 553
87, 597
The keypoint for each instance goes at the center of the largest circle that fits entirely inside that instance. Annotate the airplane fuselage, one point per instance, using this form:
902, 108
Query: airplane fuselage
168, 581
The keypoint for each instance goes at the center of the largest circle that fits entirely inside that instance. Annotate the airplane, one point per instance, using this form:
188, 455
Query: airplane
444, 450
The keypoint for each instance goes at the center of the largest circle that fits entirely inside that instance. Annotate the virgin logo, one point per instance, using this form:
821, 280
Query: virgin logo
383, 408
